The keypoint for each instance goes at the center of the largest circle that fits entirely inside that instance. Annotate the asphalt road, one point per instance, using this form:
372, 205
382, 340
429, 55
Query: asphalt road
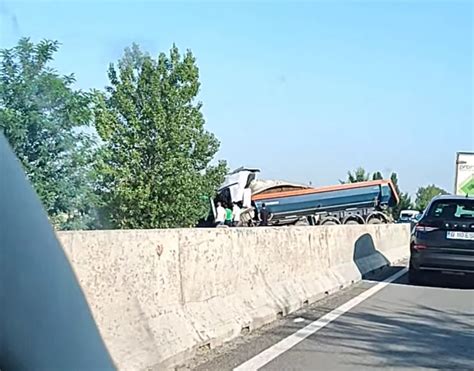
399, 327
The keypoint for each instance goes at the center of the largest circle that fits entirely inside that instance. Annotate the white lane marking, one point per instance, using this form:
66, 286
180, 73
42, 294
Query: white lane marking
299, 320
281, 347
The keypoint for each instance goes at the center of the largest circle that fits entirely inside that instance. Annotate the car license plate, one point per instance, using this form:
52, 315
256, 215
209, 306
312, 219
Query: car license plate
457, 235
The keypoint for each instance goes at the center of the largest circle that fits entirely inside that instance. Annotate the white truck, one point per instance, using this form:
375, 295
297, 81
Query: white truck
464, 181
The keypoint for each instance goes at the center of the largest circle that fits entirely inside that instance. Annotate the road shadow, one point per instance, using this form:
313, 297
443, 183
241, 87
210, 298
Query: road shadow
387, 337
435, 280
366, 256
439, 280
364, 248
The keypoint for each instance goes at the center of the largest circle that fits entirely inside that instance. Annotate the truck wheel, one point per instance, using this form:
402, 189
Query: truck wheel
375, 221
303, 222
330, 221
352, 222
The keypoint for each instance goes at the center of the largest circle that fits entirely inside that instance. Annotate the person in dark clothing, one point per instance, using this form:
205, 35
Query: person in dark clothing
264, 215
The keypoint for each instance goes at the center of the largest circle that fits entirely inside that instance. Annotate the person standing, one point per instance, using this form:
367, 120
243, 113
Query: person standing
264, 215
220, 214
236, 215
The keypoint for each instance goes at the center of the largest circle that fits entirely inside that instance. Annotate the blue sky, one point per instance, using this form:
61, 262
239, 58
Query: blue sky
303, 90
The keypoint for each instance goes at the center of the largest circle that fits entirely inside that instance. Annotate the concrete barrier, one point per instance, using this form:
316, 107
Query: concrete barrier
160, 295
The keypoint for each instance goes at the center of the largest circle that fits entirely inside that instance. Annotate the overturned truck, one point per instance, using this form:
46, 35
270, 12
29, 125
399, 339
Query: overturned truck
298, 204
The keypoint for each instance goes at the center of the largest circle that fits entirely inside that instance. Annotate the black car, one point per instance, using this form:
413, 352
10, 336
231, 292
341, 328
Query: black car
443, 239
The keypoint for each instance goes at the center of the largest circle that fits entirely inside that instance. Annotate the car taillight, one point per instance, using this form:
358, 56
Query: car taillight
425, 228
418, 246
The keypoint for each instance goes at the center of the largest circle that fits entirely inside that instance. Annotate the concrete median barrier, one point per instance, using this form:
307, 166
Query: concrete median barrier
158, 296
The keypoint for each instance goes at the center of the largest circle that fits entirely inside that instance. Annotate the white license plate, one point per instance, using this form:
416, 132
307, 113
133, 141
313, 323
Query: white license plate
456, 235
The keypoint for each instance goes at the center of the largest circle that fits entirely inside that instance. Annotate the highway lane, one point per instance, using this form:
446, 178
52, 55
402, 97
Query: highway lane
399, 327
402, 326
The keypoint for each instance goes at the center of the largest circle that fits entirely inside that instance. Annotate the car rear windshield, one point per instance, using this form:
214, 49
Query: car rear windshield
452, 209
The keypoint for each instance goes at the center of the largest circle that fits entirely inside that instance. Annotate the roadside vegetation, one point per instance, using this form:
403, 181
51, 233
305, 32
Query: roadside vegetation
133, 155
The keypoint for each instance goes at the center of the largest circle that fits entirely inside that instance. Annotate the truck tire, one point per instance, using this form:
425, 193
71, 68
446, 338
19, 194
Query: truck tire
352, 222
375, 221
377, 218
330, 221
303, 222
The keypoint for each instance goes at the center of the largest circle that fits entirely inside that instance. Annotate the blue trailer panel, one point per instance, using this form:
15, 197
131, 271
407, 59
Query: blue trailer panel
338, 201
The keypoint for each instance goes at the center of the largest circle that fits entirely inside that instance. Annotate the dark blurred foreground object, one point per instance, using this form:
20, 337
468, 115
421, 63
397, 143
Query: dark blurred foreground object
45, 321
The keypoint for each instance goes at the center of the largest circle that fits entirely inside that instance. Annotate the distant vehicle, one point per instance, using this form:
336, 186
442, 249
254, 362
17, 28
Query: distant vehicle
443, 240
464, 182
297, 204
409, 216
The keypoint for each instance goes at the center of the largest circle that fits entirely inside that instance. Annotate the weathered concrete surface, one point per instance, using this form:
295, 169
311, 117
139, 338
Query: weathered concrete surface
159, 295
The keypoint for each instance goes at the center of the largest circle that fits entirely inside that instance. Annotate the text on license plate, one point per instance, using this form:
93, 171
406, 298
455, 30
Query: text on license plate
457, 235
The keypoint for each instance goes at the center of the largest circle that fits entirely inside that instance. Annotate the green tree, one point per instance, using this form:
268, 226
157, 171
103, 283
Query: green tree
359, 175
404, 203
44, 119
425, 194
377, 175
156, 154
404, 198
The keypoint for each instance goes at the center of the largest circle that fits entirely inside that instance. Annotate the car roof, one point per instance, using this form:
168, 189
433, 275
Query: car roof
449, 198
452, 197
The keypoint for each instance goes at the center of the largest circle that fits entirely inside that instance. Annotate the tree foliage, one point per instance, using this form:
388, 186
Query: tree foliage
358, 175
425, 194
377, 175
44, 119
155, 160
404, 198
